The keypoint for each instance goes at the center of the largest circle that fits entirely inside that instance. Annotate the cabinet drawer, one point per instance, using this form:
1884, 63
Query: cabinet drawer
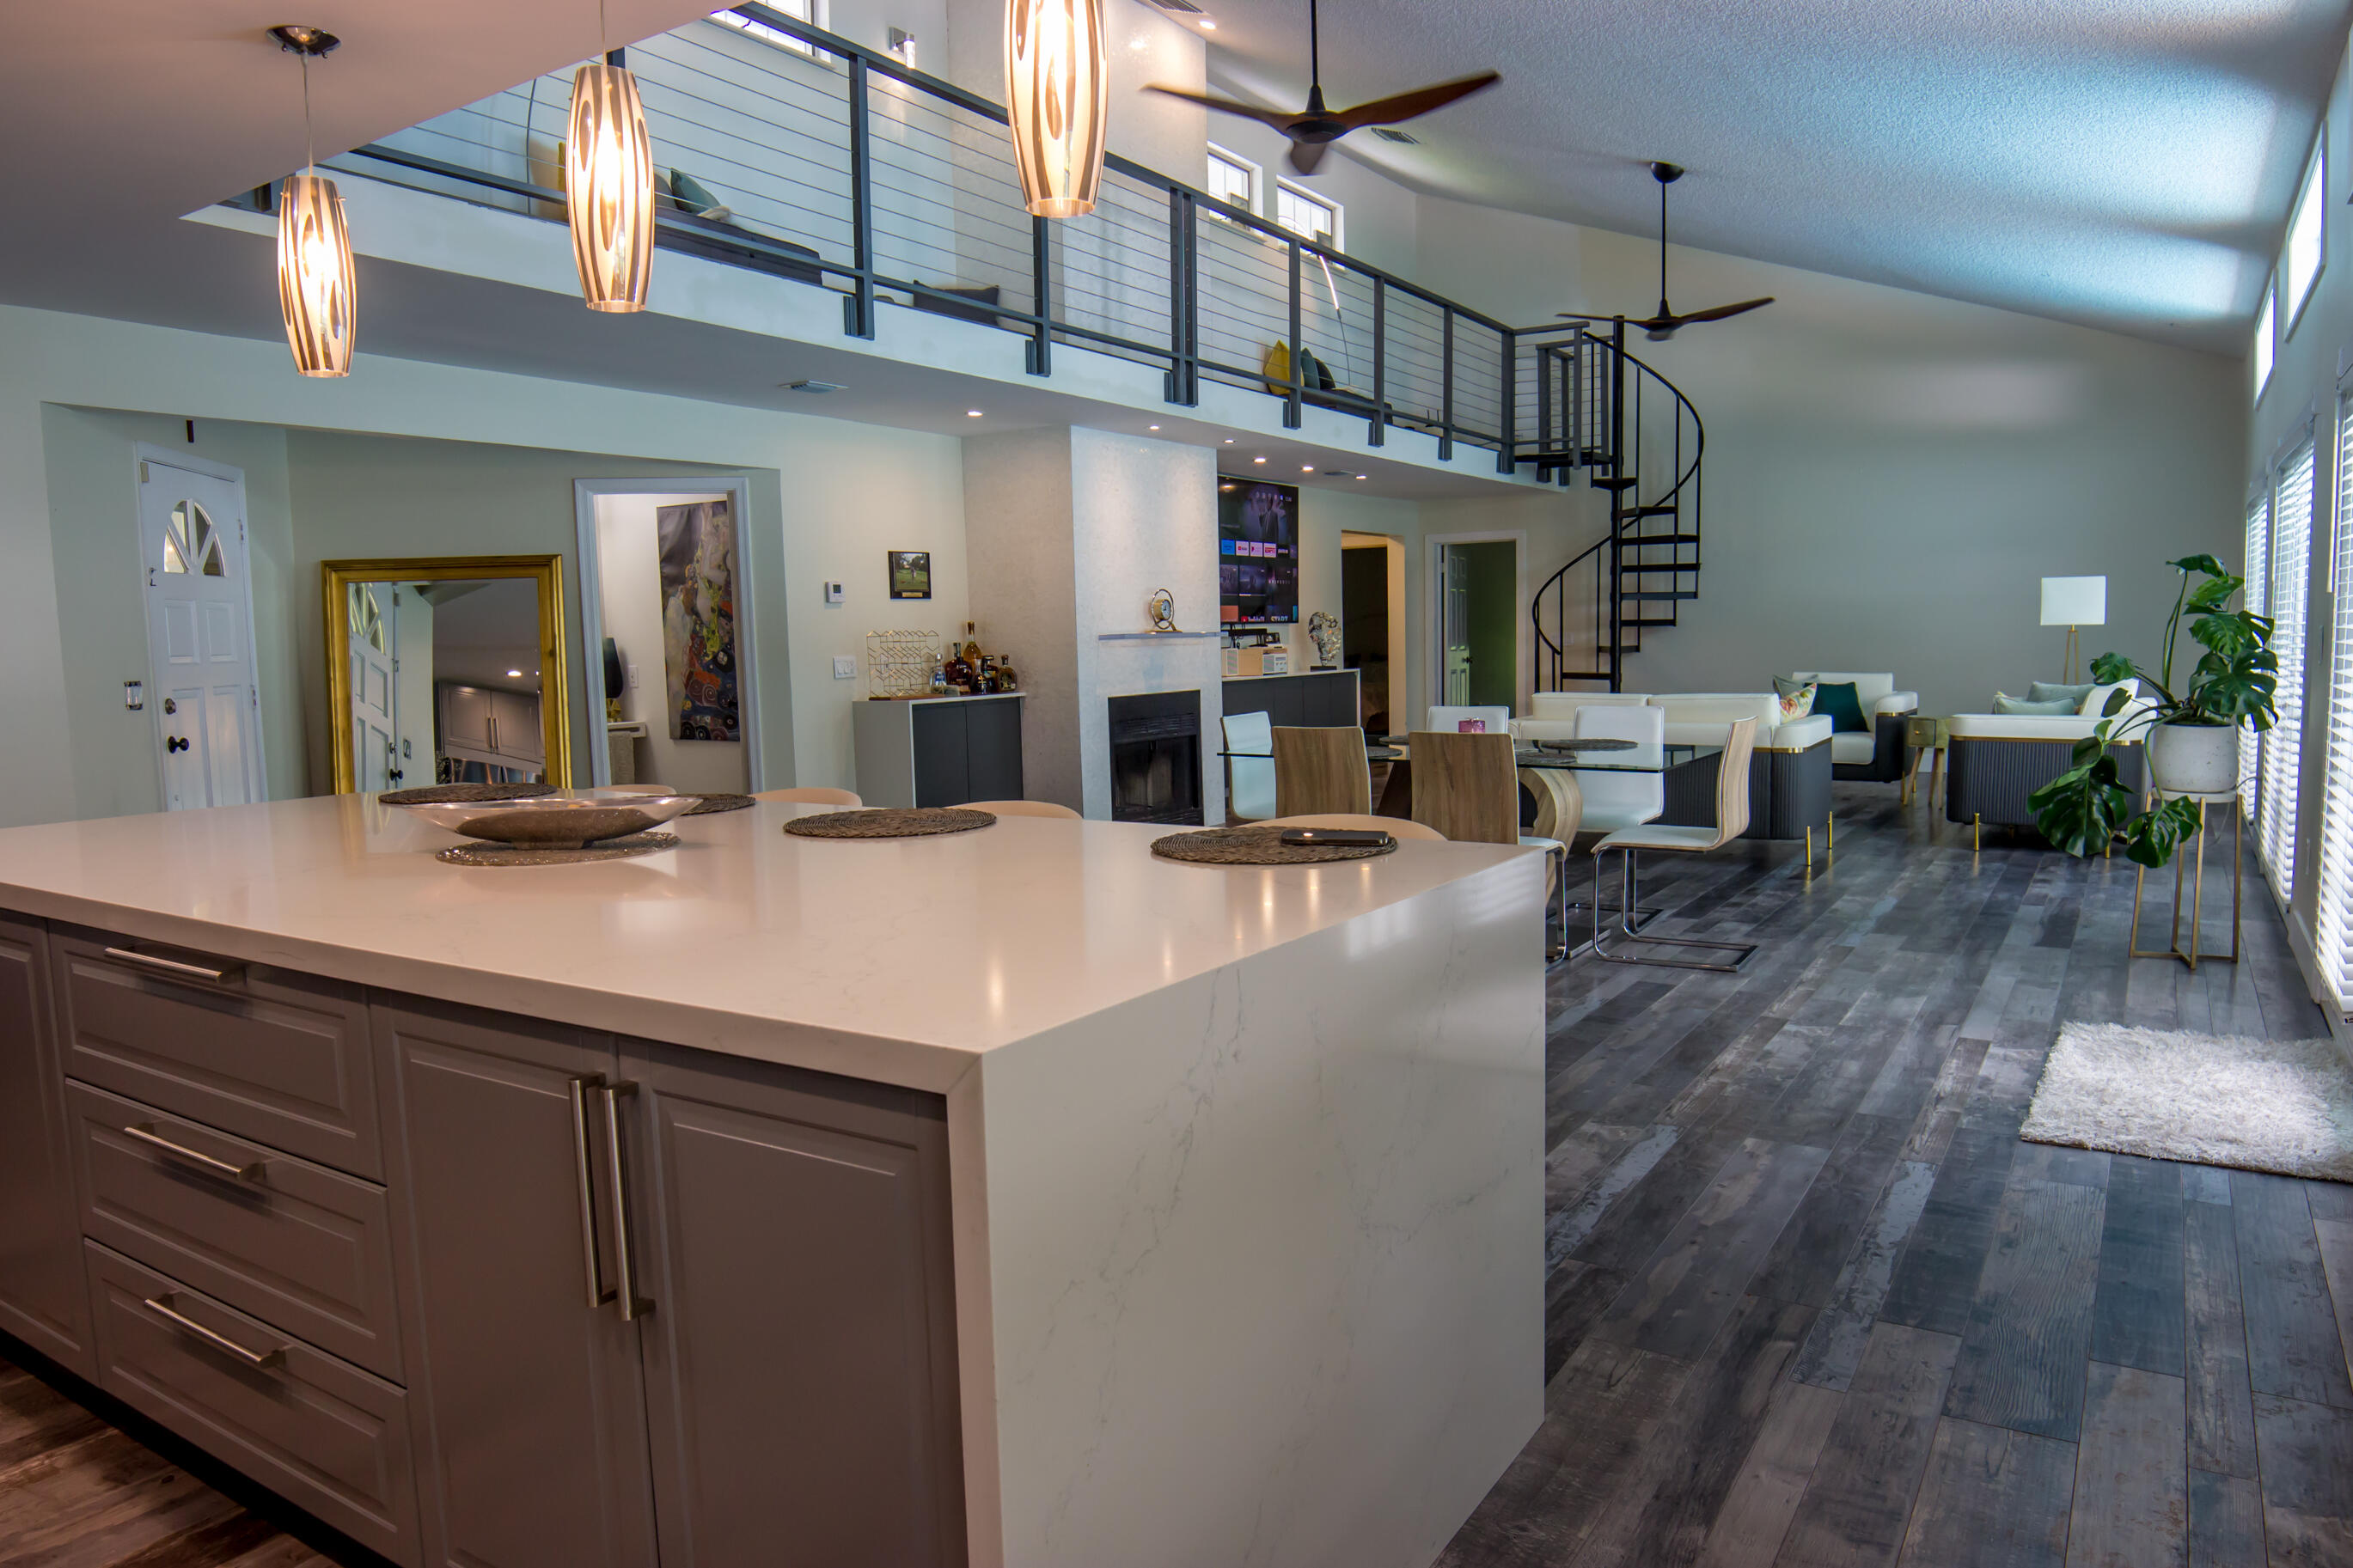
279, 1058
325, 1436
302, 1248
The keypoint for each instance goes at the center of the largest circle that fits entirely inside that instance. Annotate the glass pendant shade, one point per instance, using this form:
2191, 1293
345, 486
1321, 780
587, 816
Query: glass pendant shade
315, 289
1057, 93
608, 189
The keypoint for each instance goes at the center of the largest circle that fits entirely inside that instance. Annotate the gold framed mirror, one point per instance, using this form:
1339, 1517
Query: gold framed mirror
447, 669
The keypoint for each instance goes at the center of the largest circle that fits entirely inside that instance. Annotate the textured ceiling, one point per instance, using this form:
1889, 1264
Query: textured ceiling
2125, 163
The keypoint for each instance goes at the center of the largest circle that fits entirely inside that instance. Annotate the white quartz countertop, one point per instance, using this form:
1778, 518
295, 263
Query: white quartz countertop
896, 961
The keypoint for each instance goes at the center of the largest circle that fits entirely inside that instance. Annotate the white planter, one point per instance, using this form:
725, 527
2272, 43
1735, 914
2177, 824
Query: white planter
2194, 759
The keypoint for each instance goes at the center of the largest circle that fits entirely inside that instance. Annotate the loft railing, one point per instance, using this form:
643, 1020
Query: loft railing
810, 157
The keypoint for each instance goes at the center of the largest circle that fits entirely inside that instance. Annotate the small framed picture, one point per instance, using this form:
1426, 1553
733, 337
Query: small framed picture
911, 574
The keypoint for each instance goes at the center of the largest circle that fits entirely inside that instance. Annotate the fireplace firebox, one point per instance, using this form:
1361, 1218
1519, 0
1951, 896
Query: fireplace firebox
1155, 758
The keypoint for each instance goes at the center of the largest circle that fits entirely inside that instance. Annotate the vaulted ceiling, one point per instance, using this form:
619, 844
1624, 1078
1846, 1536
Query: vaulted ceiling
2125, 163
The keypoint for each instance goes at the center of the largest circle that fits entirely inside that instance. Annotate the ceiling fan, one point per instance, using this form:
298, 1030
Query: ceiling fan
1316, 127
1662, 327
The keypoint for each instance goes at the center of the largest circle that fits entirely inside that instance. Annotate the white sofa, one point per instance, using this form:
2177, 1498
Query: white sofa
1996, 760
1881, 756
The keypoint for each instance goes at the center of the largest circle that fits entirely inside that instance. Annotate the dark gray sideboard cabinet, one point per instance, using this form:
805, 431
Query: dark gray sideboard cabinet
787, 1379
800, 1354
44, 1299
938, 751
1313, 698
533, 1448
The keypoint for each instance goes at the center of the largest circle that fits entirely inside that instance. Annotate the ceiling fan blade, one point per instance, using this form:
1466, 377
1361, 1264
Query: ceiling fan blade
1306, 157
1278, 118
1419, 101
1723, 312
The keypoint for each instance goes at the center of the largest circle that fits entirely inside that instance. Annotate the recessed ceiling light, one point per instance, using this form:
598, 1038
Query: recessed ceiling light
1258, 459
1364, 476
516, 674
1306, 467
817, 388
1151, 427
1208, 25
972, 413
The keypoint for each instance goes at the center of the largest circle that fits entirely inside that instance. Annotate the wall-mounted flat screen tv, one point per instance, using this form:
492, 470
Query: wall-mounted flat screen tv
1258, 553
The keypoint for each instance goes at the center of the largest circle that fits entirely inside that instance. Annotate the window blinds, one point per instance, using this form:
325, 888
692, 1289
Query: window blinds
2283, 751
2335, 941
2258, 573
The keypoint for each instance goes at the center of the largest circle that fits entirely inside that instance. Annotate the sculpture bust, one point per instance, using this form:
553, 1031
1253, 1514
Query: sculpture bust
1324, 631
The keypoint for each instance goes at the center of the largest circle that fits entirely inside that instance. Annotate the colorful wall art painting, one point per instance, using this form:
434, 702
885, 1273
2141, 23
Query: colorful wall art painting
697, 542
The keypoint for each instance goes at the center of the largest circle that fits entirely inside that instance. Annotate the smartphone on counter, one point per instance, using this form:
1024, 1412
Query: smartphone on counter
1353, 838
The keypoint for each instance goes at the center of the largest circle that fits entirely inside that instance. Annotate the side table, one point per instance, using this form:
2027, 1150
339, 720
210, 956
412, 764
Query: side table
2197, 885
1928, 739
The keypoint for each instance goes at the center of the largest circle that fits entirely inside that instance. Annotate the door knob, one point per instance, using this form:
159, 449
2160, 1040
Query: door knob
175, 743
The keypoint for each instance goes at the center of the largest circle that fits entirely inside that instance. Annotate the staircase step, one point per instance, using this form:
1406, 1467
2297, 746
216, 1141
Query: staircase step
1633, 539
1656, 595
1668, 509
1625, 483
1637, 569
1649, 621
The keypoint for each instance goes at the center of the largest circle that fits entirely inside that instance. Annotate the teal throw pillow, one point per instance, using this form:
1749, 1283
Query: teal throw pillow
2022, 707
689, 192
2048, 691
1839, 700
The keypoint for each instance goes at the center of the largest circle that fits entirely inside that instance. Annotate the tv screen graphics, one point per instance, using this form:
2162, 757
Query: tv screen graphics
1258, 553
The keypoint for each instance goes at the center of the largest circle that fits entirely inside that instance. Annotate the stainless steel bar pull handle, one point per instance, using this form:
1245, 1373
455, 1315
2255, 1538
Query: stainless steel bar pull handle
161, 1307
202, 1162
633, 1306
173, 966
598, 1291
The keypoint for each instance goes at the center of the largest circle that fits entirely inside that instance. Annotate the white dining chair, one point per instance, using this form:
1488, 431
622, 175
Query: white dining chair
1250, 782
1615, 801
1731, 822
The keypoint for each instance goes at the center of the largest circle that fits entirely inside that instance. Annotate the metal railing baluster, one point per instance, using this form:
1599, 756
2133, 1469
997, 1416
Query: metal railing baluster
858, 311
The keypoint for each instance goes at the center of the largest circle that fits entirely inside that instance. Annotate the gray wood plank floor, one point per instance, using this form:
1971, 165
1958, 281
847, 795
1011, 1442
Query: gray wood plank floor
1812, 1302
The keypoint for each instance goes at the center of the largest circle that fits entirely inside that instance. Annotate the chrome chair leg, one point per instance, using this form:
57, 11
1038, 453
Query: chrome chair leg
1629, 883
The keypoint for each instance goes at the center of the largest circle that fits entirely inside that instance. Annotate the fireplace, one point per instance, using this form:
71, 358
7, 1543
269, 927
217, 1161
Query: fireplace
1155, 758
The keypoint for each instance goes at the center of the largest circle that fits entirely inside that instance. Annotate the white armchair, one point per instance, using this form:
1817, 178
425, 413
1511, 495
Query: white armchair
1880, 756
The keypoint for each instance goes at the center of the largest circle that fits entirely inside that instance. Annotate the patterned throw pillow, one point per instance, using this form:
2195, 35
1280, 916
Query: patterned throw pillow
1797, 704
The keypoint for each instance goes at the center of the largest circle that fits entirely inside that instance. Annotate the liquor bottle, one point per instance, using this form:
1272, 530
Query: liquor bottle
959, 673
1006, 679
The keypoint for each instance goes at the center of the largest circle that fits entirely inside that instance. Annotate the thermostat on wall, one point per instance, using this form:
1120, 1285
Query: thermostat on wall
833, 593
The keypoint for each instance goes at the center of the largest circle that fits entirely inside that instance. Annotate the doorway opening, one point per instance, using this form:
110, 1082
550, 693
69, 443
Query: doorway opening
665, 611
203, 681
1372, 627
1475, 601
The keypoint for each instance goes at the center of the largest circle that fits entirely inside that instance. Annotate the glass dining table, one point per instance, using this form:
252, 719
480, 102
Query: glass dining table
1397, 790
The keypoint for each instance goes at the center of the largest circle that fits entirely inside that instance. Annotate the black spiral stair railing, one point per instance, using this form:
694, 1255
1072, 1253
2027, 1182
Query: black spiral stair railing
1604, 412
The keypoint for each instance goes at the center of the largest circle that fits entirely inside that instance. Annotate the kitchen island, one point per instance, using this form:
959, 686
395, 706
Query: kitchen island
1010, 1197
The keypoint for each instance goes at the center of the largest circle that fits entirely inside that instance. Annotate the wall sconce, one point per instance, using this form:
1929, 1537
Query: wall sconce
1058, 98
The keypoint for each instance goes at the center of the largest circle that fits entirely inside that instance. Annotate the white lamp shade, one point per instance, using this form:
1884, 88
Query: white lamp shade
2075, 601
608, 189
1058, 101
315, 287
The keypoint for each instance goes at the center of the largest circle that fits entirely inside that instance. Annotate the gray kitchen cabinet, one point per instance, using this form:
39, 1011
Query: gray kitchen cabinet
531, 1447
938, 751
792, 1242
44, 1299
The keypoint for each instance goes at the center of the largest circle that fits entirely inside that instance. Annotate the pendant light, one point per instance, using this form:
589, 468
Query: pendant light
1057, 94
316, 290
608, 186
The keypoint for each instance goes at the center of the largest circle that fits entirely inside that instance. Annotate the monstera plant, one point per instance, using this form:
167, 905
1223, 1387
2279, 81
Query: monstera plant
2233, 682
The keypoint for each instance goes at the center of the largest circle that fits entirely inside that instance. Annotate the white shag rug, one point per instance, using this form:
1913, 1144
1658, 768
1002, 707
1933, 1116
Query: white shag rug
2282, 1106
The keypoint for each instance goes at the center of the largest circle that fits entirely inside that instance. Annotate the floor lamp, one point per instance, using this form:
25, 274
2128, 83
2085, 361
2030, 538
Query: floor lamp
2073, 602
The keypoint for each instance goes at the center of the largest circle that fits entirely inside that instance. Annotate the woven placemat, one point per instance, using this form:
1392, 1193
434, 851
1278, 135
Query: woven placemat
710, 803
1257, 847
508, 855
438, 794
889, 822
1597, 743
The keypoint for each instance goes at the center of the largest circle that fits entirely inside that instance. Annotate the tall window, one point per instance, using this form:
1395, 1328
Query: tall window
1309, 216
2283, 753
2336, 939
1232, 180
2258, 575
2307, 236
2265, 320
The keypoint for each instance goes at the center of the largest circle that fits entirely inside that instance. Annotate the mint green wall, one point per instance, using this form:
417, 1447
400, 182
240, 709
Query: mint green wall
1494, 618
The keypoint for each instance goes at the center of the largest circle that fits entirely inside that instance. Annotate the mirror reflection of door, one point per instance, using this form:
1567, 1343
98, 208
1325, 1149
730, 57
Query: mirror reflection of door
442, 676
202, 679
374, 616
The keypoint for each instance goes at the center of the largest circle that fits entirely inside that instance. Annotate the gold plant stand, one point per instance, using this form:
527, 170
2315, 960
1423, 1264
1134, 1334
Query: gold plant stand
2196, 889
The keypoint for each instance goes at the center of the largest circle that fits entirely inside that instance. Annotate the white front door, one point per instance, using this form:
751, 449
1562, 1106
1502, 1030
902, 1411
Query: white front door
202, 681
375, 733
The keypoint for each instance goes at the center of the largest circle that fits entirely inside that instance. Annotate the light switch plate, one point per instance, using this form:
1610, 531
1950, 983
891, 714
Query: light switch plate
845, 666
833, 593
